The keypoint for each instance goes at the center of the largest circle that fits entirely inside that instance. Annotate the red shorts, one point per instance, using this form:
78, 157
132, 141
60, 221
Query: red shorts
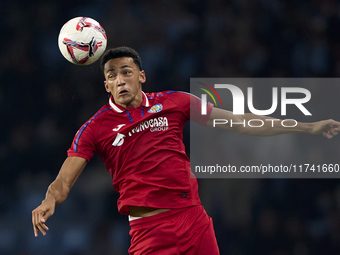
186, 231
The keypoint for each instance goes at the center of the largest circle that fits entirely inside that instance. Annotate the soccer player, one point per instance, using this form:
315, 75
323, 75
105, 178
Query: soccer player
139, 137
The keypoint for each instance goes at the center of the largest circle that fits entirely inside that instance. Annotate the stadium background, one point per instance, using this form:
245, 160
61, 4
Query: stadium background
44, 100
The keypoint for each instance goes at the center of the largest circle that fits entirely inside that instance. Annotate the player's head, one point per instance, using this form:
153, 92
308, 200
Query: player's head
121, 52
123, 76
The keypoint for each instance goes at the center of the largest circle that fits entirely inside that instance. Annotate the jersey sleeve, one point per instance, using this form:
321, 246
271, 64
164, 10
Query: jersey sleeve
83, 144
191, 106
195, 110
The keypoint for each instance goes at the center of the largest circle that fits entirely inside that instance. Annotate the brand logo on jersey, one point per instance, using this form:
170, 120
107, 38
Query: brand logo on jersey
119, 140
118, 127
156, 108
155, 124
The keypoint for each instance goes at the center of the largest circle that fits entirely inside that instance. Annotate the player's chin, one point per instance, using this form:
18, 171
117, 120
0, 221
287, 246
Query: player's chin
121, 98
124, 100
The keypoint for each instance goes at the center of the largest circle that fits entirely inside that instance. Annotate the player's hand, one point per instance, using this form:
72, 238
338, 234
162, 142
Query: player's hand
329, 128
40, 216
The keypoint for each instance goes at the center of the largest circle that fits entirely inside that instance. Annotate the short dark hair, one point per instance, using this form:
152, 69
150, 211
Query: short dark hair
121, 52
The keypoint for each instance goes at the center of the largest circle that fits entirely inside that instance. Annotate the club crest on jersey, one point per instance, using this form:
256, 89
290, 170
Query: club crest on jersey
155, 108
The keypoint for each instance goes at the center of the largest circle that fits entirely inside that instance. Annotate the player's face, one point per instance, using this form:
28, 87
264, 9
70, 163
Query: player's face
123, 80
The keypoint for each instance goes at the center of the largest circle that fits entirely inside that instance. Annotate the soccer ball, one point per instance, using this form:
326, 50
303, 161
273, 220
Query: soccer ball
82, 40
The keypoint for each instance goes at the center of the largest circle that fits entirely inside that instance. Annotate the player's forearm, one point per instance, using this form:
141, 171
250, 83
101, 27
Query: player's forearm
256, 125
57, 192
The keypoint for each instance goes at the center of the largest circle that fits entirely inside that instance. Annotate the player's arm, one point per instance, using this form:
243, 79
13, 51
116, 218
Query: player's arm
271, 126
57, 192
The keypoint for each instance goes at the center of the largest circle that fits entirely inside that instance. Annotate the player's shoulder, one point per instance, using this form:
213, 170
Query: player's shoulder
103, 111
100, 114
170, 94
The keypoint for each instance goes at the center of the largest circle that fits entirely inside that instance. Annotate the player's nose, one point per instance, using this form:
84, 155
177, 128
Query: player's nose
120, 80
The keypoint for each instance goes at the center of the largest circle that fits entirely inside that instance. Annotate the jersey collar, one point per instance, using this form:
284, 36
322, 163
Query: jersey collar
120, 109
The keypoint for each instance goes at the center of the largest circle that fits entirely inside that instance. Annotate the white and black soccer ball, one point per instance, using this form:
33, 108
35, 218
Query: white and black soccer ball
82, 40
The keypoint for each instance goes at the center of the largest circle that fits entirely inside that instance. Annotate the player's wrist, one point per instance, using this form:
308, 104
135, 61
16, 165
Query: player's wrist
311, 128
49, 200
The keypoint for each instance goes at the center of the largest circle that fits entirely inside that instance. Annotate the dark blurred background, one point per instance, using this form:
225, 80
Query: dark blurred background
44, 100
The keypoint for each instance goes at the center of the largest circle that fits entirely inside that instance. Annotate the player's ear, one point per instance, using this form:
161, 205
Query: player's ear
142, 77
106, 87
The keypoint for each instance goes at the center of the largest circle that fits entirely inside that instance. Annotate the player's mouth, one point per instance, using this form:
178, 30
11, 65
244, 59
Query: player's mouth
123, 92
